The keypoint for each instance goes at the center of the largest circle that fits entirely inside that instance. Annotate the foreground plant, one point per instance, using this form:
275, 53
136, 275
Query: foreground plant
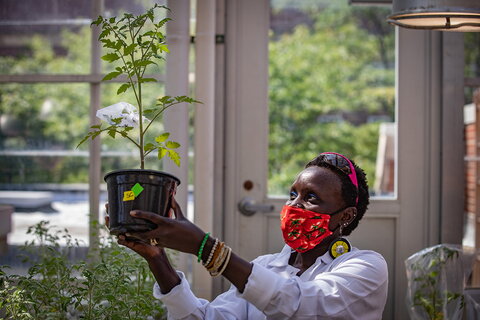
135, 42
436, 283
115, 284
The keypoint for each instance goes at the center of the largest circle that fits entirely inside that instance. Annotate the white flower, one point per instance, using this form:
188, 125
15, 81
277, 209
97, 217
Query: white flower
124, 110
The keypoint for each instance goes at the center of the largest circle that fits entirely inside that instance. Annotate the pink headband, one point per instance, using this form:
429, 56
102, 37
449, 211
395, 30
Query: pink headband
335, 159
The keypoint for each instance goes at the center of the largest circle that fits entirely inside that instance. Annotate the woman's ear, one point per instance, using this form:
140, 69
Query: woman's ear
349, 215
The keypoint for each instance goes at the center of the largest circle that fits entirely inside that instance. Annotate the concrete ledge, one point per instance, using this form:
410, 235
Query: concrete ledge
26, 199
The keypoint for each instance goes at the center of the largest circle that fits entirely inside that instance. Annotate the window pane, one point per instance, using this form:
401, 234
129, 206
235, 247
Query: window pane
44, 37
331, 89
41, 172
52, 36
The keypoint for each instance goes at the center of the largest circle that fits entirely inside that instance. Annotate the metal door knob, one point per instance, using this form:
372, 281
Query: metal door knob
247, 206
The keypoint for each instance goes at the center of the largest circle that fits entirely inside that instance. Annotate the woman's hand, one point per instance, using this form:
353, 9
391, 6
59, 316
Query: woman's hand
182, 235
178, 234
157, 259
143, 248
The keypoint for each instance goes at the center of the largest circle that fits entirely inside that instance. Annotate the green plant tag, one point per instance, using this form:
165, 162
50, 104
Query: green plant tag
137, 189
132, 194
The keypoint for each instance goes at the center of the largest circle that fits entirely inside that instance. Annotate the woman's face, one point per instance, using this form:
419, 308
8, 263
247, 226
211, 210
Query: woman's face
317, 189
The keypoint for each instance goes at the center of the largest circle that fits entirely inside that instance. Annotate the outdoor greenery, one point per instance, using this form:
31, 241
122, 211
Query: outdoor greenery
331, 85
327, 77
113, 283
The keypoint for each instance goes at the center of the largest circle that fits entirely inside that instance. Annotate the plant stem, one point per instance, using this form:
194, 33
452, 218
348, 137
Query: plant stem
139, 97
137, 94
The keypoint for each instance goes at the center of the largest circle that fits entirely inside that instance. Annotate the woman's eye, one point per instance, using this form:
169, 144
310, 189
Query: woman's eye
312, 196
293, 195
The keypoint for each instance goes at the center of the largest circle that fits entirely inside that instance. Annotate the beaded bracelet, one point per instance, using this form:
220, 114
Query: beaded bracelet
215, 256
200, 251
210, 256
219, 261
224, 263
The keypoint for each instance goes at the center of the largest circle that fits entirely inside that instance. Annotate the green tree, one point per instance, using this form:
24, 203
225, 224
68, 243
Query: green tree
324, 81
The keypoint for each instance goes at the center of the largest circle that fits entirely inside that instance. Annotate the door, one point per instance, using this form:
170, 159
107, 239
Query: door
396, 225
247, 146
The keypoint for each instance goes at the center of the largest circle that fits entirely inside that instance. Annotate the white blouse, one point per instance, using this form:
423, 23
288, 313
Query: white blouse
352, 286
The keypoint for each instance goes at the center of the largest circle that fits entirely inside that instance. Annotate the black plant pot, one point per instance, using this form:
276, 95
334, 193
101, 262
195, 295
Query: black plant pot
147, 190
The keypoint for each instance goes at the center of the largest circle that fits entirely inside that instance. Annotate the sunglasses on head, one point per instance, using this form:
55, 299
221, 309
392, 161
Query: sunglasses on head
343, 164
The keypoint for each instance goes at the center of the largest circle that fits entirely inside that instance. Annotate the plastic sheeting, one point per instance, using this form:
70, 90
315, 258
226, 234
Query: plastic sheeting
472, 300
125, 112
436, 282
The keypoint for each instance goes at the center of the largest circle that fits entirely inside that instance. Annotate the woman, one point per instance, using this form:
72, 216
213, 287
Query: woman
317, 275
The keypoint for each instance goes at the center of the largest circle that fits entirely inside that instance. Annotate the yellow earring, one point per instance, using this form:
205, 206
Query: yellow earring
340, 245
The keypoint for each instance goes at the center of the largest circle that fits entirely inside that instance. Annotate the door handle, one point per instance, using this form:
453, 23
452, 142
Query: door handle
248, 207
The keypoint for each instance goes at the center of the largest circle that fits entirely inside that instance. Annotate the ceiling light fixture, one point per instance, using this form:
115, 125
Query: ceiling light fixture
442, 15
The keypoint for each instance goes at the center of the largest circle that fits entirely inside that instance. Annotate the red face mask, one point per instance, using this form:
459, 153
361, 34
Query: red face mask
302, 229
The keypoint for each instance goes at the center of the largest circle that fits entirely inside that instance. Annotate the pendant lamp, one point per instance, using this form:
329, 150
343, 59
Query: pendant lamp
443, 15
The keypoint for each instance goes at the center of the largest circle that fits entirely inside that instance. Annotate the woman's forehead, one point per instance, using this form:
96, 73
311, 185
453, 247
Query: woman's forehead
318, 177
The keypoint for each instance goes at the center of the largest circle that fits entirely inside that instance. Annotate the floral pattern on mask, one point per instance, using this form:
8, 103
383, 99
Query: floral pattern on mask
302, 229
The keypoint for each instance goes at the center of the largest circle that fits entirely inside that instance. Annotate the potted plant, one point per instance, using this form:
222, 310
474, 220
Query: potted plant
133, 44
63, 282
436, 281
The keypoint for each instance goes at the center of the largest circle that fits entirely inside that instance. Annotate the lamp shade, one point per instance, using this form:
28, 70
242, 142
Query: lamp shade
443, 15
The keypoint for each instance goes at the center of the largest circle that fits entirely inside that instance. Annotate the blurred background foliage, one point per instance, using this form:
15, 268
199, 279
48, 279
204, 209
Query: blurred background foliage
331, 78
331, 85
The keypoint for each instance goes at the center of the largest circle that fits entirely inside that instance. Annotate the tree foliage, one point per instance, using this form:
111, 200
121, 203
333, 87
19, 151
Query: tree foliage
327, 79
324, 83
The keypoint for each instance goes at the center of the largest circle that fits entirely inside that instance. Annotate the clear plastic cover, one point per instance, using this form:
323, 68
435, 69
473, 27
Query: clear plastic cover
436, 281
121, 110
472, 300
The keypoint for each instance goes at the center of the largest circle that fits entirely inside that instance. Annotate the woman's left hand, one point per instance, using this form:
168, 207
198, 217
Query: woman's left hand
178, 234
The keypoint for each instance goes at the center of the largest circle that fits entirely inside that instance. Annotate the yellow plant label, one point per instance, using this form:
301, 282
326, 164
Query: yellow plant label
128, 196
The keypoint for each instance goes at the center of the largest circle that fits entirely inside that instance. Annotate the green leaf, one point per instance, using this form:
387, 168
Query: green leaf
148, 147
148, 111
107, 43
111, 75
142, 80
98, 21
111, 133
172, 144
82, 141
163, 47
162, 138
123, 88
110, 57
165, 100
128, 50
104, 33
97, 126
149, 33
174, 156
144, 63
162, 152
